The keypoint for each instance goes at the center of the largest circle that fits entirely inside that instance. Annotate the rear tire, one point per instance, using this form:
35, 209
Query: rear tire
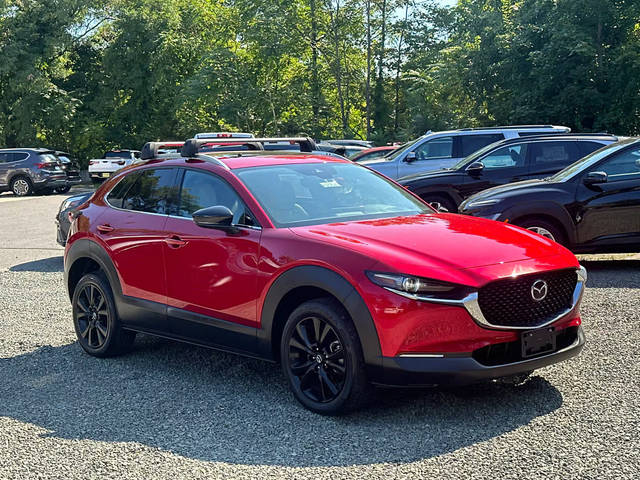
21, 186
322, 358
95, 318
440, 203
63, 189
544, 228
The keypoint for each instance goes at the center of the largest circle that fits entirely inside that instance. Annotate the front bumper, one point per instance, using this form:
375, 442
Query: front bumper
463, 369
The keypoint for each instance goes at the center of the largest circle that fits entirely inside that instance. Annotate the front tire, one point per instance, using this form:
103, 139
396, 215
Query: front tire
544, 228
322, 358
95, 318
440, 203
21, 186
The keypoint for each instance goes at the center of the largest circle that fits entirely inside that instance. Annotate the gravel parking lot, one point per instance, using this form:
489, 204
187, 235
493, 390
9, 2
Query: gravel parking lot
171, 411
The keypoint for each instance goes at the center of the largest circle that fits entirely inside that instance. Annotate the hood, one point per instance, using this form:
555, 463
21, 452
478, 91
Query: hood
432, 245
511, 187
434, 174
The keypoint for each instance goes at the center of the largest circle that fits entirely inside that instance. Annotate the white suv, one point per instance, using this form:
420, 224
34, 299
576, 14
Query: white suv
112, 161
436, 150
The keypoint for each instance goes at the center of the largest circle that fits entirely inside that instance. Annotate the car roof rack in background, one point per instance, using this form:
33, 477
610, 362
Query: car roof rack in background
150, 149
192, 146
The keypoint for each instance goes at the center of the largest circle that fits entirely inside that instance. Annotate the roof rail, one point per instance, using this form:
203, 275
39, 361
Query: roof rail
192, 146
150, 149
512, 127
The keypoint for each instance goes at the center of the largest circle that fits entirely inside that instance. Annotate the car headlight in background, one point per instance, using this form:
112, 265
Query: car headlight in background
70, 202
418, 287
482, 203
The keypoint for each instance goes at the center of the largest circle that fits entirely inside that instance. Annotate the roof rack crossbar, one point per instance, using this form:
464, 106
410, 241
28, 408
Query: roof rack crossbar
192, 146
150, 149
510, 127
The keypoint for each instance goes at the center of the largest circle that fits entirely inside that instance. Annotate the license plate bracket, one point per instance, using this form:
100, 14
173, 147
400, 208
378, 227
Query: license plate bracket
538, 342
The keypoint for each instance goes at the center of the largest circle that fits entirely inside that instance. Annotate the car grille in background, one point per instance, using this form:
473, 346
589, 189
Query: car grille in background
508, 302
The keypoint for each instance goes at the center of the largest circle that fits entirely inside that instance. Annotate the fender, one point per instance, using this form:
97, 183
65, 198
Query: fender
85, 248
135, 313
543, 208
336, 285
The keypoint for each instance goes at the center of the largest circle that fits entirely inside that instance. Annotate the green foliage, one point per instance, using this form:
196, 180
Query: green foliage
88, 75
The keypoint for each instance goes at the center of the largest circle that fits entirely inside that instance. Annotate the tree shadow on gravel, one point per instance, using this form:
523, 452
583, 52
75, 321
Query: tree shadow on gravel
214, 406
612, 273
47, 265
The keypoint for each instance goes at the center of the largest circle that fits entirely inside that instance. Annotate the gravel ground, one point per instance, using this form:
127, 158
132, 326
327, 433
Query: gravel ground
173, 411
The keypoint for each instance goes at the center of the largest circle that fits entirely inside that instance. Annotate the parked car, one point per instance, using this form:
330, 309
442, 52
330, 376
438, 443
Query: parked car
112, 161
24, 171
71, 168
62, 217
350, 143
591, 206
500, 163
319, 263
437, 150
345, 151
373, 153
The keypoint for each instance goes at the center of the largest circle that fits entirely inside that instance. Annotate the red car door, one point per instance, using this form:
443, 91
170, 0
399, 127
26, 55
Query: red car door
211, 273
133, 229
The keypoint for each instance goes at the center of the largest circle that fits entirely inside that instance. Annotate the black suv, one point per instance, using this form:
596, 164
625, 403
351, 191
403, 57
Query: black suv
591, 206
28, 170
502, 162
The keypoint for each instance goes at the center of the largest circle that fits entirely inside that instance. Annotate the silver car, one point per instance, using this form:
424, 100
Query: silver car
437, 150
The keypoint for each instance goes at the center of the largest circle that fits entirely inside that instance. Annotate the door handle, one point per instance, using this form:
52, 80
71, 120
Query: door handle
105, 228
174, 241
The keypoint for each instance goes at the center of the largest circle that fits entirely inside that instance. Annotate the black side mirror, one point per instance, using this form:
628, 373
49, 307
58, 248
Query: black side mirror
594, 178
475, 168
411, 157
217, 216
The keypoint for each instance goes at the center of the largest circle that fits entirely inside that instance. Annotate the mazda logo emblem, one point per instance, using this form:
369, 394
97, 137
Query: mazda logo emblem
539, 290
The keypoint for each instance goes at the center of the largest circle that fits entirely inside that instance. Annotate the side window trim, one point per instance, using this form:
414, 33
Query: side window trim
180, 179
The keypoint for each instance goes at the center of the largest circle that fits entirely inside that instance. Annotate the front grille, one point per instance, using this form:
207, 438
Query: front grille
510, 352
509, 302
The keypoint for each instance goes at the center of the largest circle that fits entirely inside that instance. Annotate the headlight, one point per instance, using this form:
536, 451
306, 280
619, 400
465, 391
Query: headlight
417, 287
482, 203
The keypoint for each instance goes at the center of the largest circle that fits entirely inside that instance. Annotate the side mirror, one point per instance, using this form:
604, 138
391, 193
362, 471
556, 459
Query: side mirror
594, 178
475, 168
217, 216
411, 157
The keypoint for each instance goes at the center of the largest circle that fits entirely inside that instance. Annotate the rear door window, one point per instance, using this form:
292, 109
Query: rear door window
553, 155
154, 191
472, 143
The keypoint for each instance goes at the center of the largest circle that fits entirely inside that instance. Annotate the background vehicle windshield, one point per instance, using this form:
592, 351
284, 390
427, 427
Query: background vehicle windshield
117, 155
589, 160
407, 147
319, 193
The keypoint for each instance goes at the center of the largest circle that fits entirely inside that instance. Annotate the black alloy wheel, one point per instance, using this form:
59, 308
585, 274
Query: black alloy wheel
95, 318
316, 359
322, 358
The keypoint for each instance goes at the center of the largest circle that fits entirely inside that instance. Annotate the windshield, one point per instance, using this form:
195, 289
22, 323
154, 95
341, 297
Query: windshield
407, 147
321, 193
589, 160
475, 155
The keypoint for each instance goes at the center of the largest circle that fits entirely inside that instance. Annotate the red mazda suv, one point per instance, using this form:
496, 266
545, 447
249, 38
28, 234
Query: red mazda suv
344, 277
